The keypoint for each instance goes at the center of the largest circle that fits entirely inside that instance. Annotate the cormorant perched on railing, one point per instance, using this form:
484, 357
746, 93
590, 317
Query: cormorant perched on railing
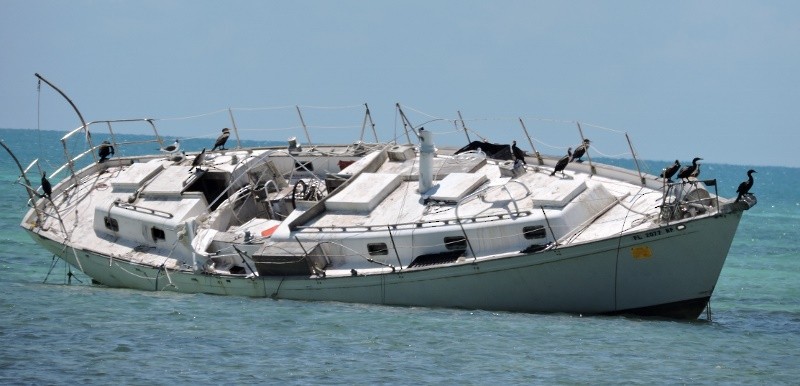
562, 163
670, 171
198, 160
105, 151
220, 143
696, 172
744, 187
580, 151
46, 187
688, 171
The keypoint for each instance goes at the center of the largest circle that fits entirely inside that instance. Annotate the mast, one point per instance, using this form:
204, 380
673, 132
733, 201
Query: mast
83, 124
80, 116
28, 187
464, 126
406, 123
530, 141
368, 118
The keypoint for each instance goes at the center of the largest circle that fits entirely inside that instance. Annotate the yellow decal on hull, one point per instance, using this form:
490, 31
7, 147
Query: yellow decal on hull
641, 252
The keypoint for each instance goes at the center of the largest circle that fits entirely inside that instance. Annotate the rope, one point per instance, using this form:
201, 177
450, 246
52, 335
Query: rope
191, 116
604, 128
427, 115
254, 109
261, 108
332, 107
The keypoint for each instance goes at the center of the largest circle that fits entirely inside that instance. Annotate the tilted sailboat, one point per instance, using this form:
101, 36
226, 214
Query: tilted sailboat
395, 224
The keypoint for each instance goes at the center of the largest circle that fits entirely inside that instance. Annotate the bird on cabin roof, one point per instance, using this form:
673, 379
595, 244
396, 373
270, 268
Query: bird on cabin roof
744, 187
174, 148
517, 152
198, 160
220, 143
562, 163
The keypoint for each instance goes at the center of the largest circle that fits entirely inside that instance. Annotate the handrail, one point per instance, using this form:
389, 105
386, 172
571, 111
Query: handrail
478, 193
73, 159
678, 188
143, 210
413, 225
505, 187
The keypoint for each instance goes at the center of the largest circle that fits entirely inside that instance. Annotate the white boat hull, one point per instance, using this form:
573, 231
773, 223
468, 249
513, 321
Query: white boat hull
478, 227
670, 271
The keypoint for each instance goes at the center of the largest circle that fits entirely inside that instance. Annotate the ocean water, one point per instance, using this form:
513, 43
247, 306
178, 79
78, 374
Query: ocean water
57, 332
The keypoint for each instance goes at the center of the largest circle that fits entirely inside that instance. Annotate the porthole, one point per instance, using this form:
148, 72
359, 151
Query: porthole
158, 234
377, 249
455, 243
111, 223
534, 232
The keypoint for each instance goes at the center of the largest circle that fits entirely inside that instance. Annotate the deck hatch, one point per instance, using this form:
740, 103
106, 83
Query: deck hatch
558, 194
456, 186
365, 193
135, 175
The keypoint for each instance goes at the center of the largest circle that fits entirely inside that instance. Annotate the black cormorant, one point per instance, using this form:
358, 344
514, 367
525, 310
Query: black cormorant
688, 171
696, 172
220, 143
517, 152
562, 163
670, 171
106, 150
580, 151
744, 187
46, 187
198, 160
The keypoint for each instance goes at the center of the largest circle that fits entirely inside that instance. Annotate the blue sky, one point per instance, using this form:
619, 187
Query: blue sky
715, 79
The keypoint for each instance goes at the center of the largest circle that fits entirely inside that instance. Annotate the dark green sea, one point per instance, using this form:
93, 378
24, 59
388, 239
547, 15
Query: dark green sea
55, 332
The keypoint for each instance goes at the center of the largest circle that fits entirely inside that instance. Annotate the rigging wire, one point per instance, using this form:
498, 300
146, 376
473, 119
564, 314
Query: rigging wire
39, 114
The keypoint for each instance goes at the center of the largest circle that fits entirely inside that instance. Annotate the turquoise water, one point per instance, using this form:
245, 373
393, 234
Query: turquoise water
56, 333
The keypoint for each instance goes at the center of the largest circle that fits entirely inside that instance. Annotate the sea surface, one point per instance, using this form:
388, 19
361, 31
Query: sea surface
61, 329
